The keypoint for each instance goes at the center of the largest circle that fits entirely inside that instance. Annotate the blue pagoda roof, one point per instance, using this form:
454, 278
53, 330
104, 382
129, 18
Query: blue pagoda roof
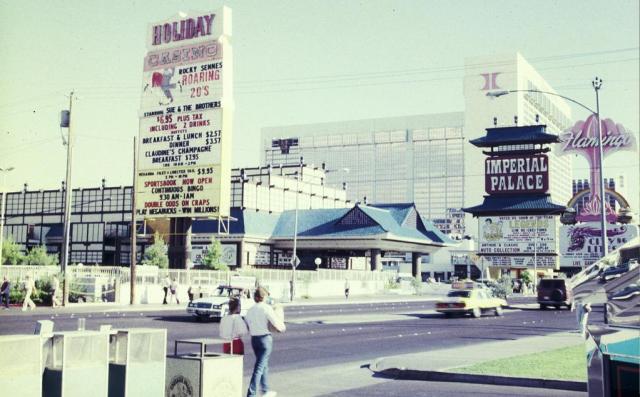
400, 220
515, 136
516, 204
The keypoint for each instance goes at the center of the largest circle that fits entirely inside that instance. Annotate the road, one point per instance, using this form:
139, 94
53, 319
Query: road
327, 336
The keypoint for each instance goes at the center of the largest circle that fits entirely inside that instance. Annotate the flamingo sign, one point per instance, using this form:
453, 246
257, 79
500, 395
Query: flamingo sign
582, 139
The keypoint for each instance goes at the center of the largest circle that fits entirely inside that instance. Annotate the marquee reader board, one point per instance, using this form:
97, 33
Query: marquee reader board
518, 234
180, 139
185, 118
174, 192
512, 261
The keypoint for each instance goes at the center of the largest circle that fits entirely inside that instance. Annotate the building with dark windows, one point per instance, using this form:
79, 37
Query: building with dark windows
101, 216
331, 233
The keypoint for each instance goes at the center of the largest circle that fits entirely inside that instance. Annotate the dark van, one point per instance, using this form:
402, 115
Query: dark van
554, 292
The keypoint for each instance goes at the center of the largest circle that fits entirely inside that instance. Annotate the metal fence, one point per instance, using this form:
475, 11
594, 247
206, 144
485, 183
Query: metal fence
153, 275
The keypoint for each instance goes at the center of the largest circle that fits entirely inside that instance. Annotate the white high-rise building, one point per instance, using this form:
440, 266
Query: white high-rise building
427, 159
512, 72
391, 160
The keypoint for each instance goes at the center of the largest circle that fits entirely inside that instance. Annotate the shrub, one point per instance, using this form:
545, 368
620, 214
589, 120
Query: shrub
11, 253
38, 256
503, 287
156, 254
212, 257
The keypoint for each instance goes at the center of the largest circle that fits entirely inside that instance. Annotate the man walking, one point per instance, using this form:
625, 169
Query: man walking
165, 286
55, 288
5, 291
260, 318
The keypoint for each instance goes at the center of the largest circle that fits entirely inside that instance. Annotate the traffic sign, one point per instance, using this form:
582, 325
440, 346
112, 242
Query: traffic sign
295, 261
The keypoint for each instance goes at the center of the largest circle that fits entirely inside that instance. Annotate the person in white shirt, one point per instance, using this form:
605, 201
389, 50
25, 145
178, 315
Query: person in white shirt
29, 286
259, 319
232, 328
173, 287
55, 289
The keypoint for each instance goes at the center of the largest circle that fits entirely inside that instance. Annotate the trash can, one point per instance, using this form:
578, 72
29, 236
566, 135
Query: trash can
202, 373
21, 365
137, 362
77, 364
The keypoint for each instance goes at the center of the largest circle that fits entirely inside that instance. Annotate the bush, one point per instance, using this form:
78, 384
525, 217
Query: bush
11, 253
38, 256
503, 287
41, 295
156, 255
212, 257
391, 284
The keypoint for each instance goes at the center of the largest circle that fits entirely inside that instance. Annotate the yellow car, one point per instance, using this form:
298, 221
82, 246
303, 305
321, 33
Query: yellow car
472, 301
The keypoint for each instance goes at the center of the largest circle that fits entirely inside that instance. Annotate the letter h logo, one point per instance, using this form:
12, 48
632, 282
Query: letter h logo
490, 81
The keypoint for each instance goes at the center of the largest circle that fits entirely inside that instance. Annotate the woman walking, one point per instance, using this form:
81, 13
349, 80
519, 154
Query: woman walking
233, 328
28, 291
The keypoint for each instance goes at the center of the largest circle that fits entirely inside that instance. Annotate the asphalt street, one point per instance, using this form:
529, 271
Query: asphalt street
327, 335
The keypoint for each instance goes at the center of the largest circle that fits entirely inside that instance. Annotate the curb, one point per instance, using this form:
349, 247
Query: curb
438, 376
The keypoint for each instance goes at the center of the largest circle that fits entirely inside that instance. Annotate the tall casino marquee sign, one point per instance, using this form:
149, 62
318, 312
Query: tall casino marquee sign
186, 104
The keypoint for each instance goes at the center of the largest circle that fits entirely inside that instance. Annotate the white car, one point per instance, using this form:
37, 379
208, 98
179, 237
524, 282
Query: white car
217, 305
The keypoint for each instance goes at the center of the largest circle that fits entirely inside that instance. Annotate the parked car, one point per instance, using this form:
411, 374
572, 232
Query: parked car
554, 292
473, 301
217, 305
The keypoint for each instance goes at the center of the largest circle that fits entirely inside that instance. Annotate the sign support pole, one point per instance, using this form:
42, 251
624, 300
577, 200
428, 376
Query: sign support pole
134, 231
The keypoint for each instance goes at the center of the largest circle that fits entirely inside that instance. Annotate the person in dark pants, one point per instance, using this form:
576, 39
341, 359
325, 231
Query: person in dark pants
5, 290
165, 286
261, 318
190, 294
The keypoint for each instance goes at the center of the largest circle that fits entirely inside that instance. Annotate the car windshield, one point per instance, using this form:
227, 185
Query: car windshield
459, 294
226, 291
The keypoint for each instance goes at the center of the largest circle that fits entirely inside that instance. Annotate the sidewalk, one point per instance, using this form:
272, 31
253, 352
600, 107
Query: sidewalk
151, 307
434, 365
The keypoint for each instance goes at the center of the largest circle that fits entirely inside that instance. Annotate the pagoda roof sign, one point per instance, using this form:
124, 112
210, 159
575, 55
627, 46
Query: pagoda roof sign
531, 134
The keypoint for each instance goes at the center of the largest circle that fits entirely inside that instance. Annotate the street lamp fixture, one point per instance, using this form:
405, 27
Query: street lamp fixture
4, 174
597, 84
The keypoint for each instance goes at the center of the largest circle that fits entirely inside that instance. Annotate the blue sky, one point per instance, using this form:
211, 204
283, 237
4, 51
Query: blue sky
294, 62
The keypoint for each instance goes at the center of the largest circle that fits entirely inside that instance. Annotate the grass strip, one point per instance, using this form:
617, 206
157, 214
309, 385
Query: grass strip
568, 363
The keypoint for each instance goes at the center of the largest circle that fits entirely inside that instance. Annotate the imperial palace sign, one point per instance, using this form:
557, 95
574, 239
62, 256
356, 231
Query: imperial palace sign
522, 174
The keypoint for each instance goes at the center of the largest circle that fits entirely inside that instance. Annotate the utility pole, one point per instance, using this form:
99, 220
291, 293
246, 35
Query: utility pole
134, 254
67, 210
2, 209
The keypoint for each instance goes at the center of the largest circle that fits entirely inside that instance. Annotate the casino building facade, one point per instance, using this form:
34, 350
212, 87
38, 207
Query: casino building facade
342, 234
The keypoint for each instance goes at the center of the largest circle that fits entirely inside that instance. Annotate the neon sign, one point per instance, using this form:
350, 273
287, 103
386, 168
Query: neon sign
582, 139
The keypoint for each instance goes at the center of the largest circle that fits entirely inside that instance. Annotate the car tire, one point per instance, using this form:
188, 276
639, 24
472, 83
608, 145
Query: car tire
498, 311
543, 307
476, 312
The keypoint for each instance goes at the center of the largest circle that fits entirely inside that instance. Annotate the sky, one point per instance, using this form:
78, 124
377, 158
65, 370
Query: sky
295, 62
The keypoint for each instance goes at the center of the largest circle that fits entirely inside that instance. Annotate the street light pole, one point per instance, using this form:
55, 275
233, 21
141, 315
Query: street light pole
295, 237
2, 210
67, 211
535, 257
597, 84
